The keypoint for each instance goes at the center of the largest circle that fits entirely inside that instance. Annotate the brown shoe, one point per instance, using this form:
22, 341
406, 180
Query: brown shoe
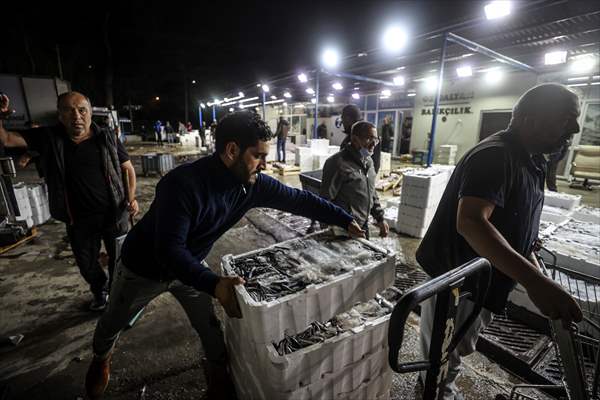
97, 377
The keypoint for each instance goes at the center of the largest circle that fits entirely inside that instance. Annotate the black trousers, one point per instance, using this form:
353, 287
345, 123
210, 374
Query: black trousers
86, 236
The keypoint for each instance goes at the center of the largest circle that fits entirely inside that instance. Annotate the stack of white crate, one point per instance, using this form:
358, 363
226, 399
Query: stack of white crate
385, 166
24, 208
421, 193
304, 158
320, 152
38, 200
351, 365
447, 154
559, 207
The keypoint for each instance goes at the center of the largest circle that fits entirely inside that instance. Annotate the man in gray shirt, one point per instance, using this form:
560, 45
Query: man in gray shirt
349, 178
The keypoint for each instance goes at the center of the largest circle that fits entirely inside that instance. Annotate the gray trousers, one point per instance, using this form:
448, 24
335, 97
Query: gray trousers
465, 347
131, 292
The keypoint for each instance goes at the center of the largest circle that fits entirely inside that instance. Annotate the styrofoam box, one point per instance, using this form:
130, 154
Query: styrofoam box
572, 255
290, 314
420, 197
386, 161
306, 366
562, 200
302, 152
272, 156
319, 160
306, 163
415, 216
414, 231
319, 146
392, 201
391, 216
330, 385
28, 220
556, 219
587, 214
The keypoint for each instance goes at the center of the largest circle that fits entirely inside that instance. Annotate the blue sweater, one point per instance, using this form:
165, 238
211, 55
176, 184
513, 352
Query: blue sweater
194, 205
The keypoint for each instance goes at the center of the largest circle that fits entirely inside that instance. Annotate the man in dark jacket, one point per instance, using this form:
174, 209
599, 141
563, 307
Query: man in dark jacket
84, 167
491, 208
195, 204
349, 178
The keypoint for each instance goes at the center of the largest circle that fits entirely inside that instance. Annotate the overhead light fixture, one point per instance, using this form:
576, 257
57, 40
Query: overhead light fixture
493, 75
273, 97
284, 104
217, 101
330, 58
337, 86
248, 99
313, 100
411, 94
577, 84
497, 9
464, 71
355, 96
231, 109
310, 91
302, 78
157, 98
287, 95
265, 88
240, 94
579, 78
398, 80
274, 101
555, 57
202, 105
386, 92
583, 65
394, 38
193, 82
431, 83
330, 99
258, 85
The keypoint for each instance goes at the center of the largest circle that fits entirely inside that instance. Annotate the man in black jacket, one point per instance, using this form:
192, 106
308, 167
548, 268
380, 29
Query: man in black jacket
84, 167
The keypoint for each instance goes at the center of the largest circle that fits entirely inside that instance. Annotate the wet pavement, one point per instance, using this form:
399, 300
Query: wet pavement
45, 299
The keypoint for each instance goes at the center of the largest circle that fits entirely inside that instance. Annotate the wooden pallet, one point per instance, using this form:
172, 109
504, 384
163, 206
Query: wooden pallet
286, 170
31, 235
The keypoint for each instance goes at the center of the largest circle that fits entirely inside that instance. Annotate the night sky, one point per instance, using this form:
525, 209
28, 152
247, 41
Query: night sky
222, 45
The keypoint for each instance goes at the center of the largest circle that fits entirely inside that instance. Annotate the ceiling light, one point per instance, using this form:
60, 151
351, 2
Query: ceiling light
386, 93
464, 71
265, 88
394, 38
411, 94
493, 75
230, 109
240, 94
314, 101
287, 95
202, 105
310, 91
337, 86
330, 58
583, 65
497, 9
399, 80
330, 98
302, 78
555, 57
355, 96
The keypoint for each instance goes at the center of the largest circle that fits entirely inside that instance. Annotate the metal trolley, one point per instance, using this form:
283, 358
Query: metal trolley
449, 289
577, 347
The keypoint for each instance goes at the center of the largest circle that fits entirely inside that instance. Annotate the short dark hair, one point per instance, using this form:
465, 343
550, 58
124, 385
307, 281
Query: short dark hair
352, 111
245, 128
361, 128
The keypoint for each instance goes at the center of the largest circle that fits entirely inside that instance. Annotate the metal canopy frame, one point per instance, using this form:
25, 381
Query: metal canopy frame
475, 47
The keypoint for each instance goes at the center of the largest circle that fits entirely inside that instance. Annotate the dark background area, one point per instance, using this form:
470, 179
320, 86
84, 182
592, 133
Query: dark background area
133, 51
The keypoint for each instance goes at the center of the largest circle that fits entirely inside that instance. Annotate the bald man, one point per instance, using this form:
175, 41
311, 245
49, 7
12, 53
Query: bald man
84, 166
491, 208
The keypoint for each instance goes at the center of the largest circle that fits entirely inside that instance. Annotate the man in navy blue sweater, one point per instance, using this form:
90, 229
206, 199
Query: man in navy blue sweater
194, 205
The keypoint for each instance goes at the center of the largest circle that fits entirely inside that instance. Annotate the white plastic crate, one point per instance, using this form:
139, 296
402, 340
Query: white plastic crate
415, 216
333, 385
391, 216
319, 161
392, 201
308, 365
555, 215
385, 162
414, 231
23, 205
290, 314
562, 200
319, 146
424, 188
333, 149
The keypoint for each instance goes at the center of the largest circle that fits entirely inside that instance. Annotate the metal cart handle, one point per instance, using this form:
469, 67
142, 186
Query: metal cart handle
450, 280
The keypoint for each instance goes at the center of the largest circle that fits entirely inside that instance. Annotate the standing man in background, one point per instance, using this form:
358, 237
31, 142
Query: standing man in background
351, 115
84, 166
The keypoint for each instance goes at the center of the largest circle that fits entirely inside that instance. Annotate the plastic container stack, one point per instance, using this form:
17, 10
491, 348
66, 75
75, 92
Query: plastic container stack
447, 154
24, 208
275, 357
304, 158
421, 193
38, 201
158, 163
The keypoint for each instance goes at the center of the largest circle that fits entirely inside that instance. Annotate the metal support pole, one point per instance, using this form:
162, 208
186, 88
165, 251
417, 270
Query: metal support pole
200, 116
316, 103
214, 112
436, 103
264, 106
59, 62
